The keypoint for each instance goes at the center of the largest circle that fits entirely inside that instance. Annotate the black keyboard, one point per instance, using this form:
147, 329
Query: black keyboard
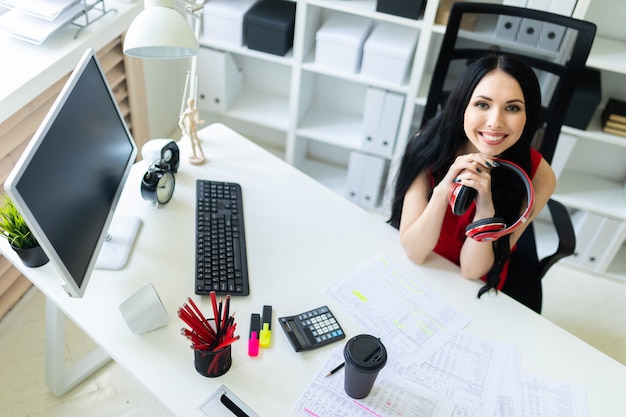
221, 260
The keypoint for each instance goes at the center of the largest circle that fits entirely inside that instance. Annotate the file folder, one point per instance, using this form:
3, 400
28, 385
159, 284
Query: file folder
381, 118
219, 81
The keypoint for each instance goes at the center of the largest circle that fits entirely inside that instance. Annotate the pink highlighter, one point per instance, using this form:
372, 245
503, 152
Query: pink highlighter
255, 328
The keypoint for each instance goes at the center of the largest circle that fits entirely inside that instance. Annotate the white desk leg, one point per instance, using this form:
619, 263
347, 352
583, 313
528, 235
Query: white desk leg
59, 379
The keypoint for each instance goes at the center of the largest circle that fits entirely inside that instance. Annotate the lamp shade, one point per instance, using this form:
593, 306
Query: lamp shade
160, 32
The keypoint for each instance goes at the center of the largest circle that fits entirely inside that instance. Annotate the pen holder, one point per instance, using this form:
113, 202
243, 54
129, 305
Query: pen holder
213, 363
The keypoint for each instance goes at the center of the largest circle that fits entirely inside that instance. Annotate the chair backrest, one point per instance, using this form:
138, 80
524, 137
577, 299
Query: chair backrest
556, 46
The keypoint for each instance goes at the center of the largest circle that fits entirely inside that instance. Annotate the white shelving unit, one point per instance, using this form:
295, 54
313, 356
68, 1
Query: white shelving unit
314, 114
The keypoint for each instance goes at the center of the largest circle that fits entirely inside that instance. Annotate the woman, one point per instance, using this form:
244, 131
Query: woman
492, 113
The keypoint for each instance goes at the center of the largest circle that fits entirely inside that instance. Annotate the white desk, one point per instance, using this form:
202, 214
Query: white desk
300, 236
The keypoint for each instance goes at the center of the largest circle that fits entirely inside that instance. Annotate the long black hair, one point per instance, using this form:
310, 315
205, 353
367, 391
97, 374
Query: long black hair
435, 145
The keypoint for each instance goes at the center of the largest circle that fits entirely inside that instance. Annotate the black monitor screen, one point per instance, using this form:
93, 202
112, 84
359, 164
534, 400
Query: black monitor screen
69, 179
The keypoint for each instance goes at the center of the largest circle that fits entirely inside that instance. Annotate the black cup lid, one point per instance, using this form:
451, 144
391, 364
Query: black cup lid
365, 352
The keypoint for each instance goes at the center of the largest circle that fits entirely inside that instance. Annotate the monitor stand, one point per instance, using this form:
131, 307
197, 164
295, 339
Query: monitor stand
116, 249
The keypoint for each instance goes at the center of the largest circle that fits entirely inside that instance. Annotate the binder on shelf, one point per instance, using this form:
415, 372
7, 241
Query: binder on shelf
606, 241
219, 81
552, 35
374, 103
381, 118
585, 226
365, 179
508, 26
530, 29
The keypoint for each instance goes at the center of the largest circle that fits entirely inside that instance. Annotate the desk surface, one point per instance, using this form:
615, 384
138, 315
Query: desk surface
300, 236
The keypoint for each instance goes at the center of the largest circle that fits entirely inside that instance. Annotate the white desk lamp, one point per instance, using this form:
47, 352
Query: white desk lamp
160, 32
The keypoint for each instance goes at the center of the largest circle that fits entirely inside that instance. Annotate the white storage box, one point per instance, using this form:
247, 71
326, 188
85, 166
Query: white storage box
339, 42
388, 52
223, 21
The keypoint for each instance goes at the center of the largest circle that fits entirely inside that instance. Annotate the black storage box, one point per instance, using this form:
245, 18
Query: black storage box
404, 8
268, 26
585, 100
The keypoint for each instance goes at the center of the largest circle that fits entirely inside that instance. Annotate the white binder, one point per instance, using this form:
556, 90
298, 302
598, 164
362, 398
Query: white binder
552, 35
219, 80
365, 179
508, 26
606, 242
374, 103
381, 118
356, 169
530, 29
389, 123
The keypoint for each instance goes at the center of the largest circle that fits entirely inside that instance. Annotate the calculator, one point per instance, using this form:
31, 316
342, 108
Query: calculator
311, 329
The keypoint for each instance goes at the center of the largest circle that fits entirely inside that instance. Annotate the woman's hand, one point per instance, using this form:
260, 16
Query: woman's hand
473, 170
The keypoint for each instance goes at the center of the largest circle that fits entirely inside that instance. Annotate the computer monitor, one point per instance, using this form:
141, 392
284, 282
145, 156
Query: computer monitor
68, 181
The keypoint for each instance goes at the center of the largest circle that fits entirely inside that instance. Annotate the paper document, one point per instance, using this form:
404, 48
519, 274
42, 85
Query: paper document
325, 397
45, 9
34, 30
434, 368
462, 379
411, 320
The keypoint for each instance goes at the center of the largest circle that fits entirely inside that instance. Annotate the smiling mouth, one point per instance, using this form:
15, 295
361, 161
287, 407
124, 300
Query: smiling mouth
493, 138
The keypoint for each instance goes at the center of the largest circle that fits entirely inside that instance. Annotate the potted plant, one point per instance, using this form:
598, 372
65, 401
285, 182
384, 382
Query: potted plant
14, 228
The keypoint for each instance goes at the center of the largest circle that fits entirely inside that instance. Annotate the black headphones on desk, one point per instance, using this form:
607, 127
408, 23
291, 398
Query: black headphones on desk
491, 228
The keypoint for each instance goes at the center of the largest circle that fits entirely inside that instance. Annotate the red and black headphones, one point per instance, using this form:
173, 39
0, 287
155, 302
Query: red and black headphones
491, 228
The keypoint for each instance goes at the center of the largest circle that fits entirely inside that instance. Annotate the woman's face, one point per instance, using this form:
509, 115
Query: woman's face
496, 114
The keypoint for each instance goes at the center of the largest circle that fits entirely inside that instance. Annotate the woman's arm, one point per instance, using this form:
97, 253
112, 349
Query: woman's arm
421, 221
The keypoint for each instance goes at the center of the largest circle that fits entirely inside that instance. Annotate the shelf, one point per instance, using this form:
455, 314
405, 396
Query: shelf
337, 128
365, 8
331, 176
286, 60
594, 132
260, 108
608, 54
310, 66
593, 194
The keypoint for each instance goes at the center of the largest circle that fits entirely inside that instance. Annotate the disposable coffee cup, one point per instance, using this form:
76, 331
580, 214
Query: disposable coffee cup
365, 356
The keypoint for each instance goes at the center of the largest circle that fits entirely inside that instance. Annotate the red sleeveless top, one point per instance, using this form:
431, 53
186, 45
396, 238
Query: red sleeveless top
452, 234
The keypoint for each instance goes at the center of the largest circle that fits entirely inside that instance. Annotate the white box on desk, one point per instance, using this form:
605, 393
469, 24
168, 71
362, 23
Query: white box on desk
223, 21
339, 42
388, 51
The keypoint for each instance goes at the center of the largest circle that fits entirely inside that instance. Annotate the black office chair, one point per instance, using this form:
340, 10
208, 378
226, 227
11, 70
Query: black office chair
556, 47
